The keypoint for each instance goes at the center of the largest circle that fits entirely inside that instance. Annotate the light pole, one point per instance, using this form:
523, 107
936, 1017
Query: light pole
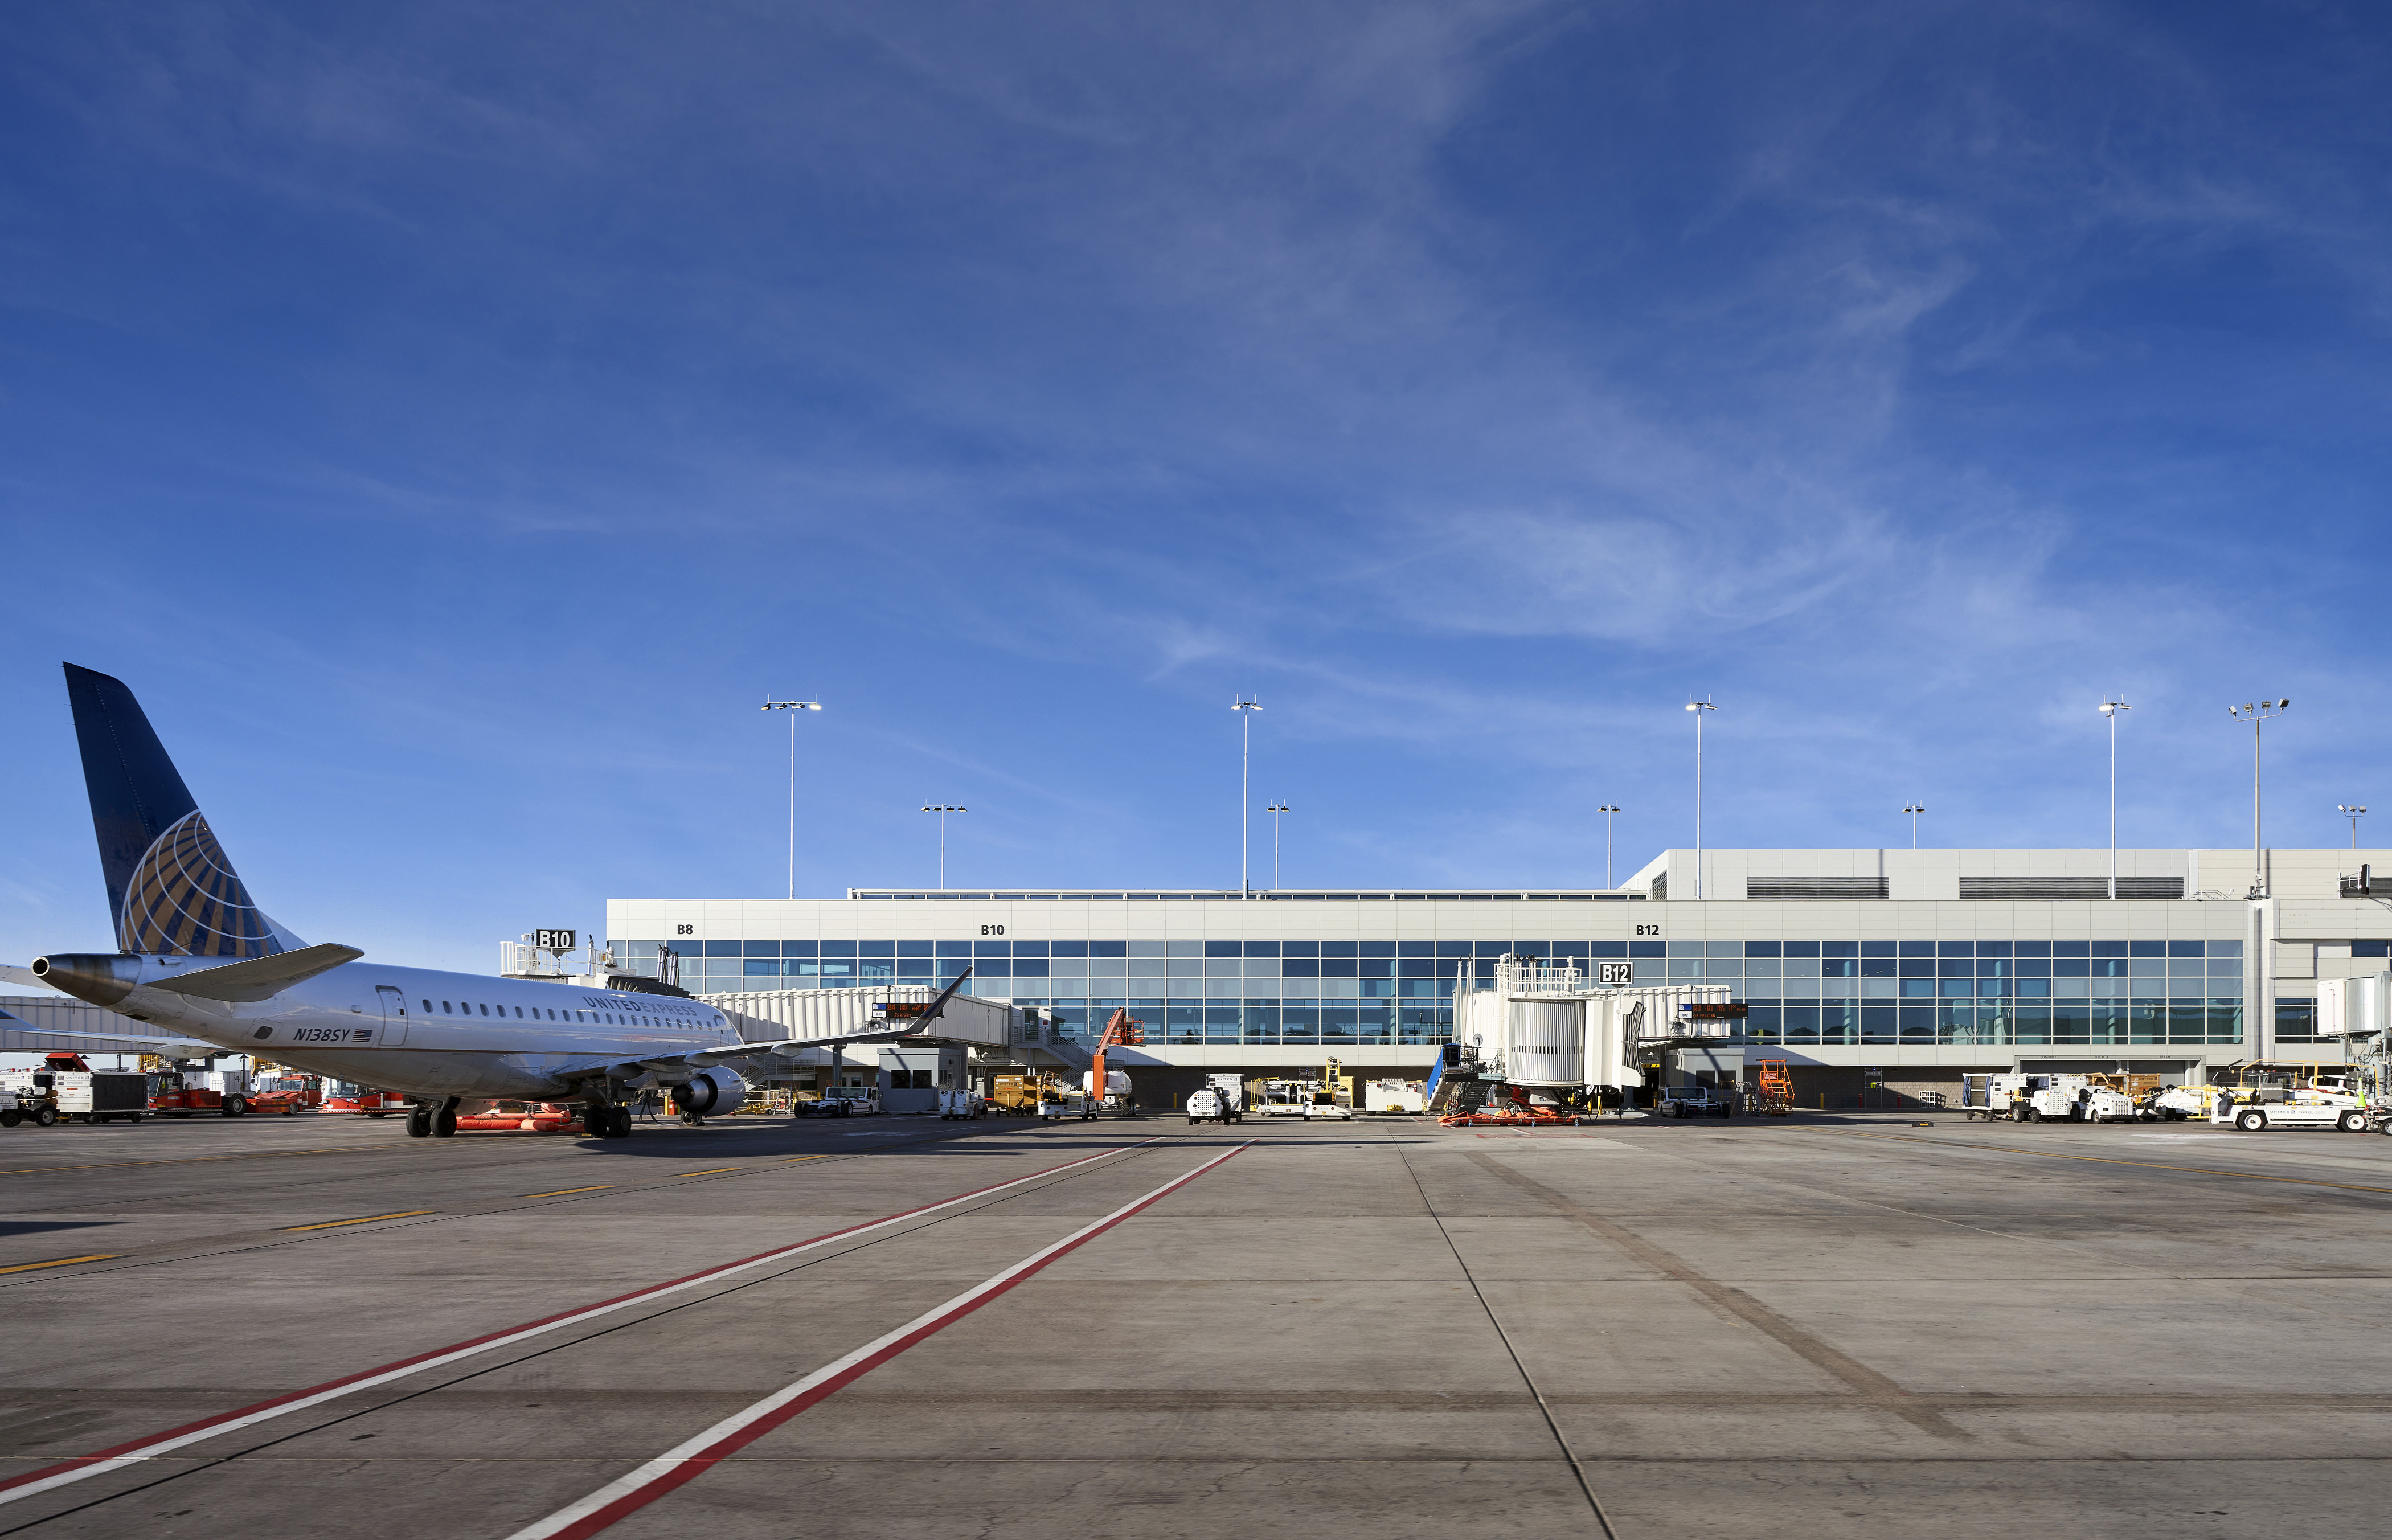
1276, 809
1913, 813
943, 812
1699, 707
2110, 710
1245, 710
793, 707
2354, 814
1606, 810
2258, 716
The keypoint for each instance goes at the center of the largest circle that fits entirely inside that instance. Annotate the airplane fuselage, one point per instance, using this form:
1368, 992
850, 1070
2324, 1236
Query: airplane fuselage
434, 1034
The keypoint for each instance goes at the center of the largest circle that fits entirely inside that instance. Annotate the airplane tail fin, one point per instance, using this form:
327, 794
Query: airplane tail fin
170, 887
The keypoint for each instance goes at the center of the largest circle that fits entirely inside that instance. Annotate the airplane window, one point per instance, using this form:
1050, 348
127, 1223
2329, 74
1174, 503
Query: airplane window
444, 1008
486, 1010
427, 1006
518, 1012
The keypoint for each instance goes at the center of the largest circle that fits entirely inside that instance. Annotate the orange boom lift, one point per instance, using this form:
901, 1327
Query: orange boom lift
1122, 1031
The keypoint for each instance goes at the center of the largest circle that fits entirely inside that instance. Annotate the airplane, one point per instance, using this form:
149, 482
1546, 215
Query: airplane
199, 962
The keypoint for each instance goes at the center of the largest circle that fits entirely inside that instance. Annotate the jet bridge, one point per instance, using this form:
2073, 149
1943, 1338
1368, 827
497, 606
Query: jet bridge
1549, 1026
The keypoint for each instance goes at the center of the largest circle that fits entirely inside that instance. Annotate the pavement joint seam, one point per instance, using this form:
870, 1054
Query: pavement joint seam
1736, 1303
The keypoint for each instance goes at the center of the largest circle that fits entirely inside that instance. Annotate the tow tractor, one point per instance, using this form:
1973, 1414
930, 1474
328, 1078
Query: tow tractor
67, 1088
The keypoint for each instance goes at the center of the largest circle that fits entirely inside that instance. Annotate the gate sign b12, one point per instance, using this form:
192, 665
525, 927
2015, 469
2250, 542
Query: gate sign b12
1614, 972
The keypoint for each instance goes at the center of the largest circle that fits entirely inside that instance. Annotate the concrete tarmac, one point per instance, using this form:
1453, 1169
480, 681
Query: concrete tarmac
1815, 1325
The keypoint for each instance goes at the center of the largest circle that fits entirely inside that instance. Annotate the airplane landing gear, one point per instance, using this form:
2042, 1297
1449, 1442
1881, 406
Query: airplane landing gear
419, 1122
607, 1121
444, 1122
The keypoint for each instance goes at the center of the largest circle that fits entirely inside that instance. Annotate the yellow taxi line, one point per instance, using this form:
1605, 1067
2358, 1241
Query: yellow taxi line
709, 1172
335, 1224
59, 1262
2111, 1160
562, 1191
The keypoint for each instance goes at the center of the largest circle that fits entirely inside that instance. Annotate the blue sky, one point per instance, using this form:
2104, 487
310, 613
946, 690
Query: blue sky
453, 423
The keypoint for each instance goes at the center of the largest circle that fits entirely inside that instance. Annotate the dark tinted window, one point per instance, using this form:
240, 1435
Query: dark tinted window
961, 948
1378, 949
839, 948
2108, 948
2034, 948
1950, 948
1648, 948
1877, 948
1839, 949
1993, 948
803, 949
1029, 948
1262, 948
1415, 948
1804, 949
2183, 948
1453, 948
1222, 949
1299, 948
1337, 948
904, 948
875, 948
1493, 948
1069, 948
1606, 948
1106, 949
2149, 948
1764, 948
2071, 948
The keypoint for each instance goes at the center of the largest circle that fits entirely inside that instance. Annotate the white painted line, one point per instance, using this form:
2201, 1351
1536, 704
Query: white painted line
684, 1462
84, 1467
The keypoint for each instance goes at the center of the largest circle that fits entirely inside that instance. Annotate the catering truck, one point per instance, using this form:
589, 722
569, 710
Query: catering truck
67, 1090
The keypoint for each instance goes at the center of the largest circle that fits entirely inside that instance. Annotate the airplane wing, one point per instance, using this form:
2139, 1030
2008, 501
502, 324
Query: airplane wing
709, 1058
14, 974
259, 978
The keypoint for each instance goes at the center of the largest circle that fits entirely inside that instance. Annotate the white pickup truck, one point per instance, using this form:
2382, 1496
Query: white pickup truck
2257, 1108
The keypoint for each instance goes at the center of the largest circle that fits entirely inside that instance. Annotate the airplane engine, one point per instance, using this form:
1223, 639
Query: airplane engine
715, 1092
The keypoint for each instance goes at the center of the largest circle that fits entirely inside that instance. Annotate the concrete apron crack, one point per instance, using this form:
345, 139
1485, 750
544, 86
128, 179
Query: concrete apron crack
1552, 1423
1872, 1386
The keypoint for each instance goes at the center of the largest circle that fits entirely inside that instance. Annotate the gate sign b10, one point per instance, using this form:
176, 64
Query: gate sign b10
554, 941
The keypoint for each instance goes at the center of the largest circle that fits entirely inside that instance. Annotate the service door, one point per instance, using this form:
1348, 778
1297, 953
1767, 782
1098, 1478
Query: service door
394, 1015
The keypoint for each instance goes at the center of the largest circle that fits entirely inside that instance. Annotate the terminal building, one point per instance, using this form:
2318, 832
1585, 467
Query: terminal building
1897, 968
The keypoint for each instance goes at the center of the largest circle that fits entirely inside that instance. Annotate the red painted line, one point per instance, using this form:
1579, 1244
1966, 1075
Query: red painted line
84, 1467
685, 1462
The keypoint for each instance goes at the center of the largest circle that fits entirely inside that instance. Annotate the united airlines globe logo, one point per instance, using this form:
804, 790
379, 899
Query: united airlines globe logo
186, 899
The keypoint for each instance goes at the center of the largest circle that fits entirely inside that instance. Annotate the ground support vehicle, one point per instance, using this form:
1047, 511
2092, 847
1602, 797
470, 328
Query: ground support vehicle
1206, 1105
219, 1093
348, 1096
965, 1104
851, 1100
1071, 1103
525, 1117
1694, 1101
68, 1090
2262, 1107
1772, 1094
11, 1113
1305, 1099
1024, 1095
1402, 1096
1507, 1106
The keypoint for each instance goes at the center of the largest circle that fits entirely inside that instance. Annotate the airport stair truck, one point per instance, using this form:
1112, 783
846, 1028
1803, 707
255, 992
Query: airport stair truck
1454, 1085
1773, 1095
